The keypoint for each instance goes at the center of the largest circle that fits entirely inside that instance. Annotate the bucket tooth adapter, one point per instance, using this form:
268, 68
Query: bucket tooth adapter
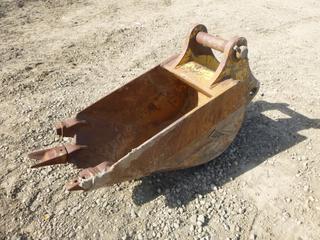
182, 113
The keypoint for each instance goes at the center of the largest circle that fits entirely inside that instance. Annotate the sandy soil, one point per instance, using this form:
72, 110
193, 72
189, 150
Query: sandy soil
57, 57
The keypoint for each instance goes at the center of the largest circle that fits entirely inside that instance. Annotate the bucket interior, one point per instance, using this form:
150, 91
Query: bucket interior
132, 114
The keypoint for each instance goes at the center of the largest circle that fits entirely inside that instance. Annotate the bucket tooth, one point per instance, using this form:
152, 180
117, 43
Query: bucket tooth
69, 127
74, 185
56, 155
49, 156
86, 177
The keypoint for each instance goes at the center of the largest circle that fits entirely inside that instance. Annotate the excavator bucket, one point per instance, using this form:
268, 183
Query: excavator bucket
182, 113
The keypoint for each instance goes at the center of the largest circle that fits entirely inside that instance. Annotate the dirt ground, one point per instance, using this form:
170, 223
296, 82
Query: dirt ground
57, 57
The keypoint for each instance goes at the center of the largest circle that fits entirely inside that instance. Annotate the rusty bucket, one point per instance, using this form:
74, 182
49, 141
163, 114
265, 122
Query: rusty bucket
182, 113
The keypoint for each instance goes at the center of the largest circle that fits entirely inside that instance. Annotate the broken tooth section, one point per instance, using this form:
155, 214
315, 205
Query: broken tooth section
69, 127
74, 185
86, 179
56, 155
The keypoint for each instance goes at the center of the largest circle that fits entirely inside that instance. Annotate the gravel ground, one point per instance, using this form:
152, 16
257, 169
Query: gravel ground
57, 57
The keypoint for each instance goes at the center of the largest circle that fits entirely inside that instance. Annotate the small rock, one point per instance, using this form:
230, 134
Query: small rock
205, 238
71, 235
213, 187
201, 220
126, 237
200, 224
193, 219
241, 210
237, 228
176, 225
311, 198
133, 214
180, 210
20, 3
288, 200
286, 215
226, 226
139, 236
252, 236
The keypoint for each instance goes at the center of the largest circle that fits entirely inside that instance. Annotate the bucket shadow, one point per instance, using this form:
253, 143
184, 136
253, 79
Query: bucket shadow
259, 139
